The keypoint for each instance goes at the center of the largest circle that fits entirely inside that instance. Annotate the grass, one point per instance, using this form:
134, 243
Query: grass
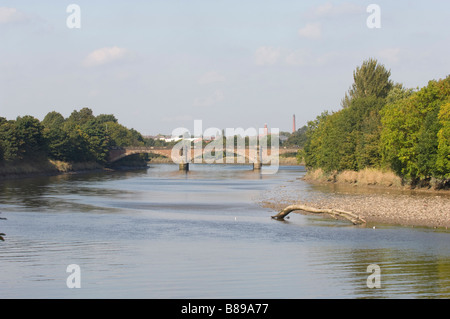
367, 176
370, 176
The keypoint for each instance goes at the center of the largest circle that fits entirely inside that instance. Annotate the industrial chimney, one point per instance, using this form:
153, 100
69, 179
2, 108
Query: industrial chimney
293, 124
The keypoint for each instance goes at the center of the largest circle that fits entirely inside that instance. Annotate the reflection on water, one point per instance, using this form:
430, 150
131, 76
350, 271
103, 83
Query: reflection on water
161, 233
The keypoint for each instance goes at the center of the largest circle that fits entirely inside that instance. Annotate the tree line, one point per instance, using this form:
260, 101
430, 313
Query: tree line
383, 125
82, 137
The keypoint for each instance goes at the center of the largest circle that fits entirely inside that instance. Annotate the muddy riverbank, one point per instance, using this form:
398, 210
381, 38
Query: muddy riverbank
377, 205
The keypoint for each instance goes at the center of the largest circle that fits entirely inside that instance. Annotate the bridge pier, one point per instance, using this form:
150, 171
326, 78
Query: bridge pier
257, 166
258, 163
184, 167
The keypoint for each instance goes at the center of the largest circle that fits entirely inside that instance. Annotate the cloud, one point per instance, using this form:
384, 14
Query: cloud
208, 101
104, 56
311, 30
267, 55
11, 15
329, 9
211, 77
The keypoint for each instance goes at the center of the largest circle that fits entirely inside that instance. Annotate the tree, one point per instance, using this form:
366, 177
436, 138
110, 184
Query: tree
3, 122
57, 138
297, 139
370, 79
97, 141
104, 118
81, 117
121, 136
443, 153
350, 138
31, 141
413, 135
53, 119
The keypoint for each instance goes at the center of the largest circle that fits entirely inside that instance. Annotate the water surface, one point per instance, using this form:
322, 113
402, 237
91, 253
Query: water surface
161, 233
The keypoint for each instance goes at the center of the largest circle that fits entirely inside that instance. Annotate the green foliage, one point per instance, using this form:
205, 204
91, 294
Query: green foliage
122, 136
297, 139
82, 137
21, 139
370, 79
384, 125
349, 139
443, 153
414, 141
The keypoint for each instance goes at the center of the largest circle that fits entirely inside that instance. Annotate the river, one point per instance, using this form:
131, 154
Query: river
162, 233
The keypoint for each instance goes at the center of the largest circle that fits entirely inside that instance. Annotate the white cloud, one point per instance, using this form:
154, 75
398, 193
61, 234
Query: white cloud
208, 101
211, 77
311, 30
267, 55
104, 56
11, 15
323, 9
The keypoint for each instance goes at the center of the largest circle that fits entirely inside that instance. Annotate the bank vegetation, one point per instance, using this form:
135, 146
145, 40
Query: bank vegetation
383, 134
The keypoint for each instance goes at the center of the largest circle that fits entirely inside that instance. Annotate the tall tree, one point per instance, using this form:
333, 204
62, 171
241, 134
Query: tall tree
443, 156
370, 79
413, 136
32, 144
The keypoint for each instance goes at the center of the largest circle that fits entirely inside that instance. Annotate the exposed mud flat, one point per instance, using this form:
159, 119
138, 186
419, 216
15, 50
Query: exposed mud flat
375, 204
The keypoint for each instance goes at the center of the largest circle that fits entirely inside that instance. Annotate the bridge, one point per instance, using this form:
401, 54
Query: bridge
198, 155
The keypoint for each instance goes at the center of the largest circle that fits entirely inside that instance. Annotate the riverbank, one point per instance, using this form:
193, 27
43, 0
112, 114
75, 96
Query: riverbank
374, 177
376, 204
53, 168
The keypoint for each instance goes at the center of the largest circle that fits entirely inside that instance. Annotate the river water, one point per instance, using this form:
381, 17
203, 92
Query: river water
162, 233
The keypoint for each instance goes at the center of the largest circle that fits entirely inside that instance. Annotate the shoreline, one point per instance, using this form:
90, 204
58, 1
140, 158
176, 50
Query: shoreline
53, 171
55, 168
378, 205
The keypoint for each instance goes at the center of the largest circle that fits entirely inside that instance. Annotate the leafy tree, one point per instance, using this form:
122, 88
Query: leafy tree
370, 79
9, 141
97, 141
297, 139
81, 117
57, 138
411, 129
53, 119
104, 118
443, 153
350, 138
121, 136
31, 142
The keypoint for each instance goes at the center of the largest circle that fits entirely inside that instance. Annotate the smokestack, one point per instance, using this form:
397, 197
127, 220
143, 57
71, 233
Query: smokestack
266, 131
293, 124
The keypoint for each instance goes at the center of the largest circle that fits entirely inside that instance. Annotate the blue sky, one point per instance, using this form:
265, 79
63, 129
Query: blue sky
159, 65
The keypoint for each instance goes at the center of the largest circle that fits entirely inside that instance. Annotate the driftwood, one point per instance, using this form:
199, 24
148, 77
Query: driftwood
355, 219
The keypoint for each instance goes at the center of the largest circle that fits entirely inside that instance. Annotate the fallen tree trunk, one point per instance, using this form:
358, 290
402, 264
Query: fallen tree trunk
355, 219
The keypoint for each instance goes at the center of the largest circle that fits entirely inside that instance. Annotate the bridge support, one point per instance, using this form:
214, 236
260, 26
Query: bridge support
184, 167
258, 163
257, 166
